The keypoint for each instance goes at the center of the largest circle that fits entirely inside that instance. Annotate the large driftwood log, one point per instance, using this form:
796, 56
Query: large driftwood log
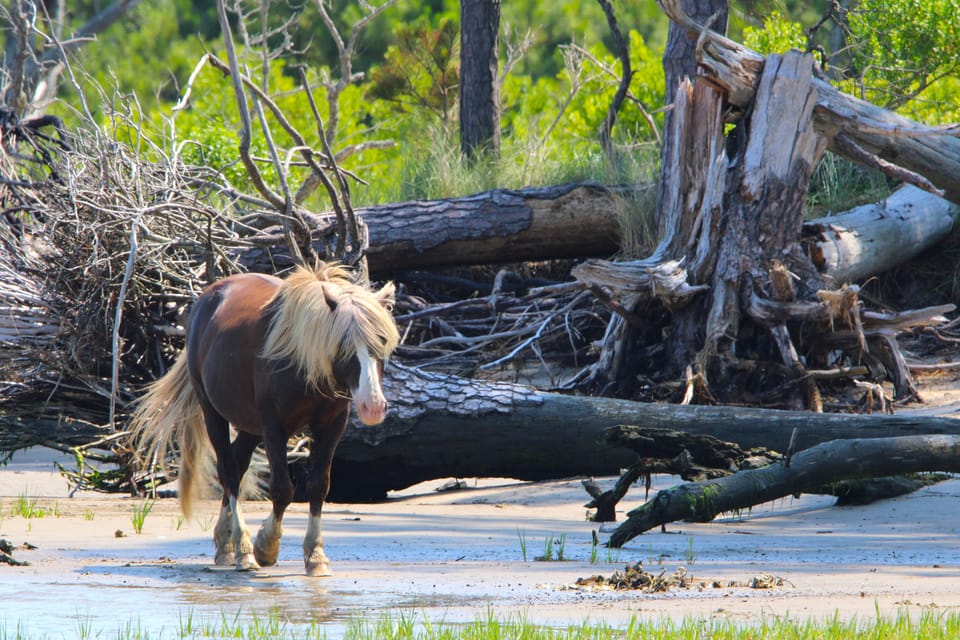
807, 470
443, 426
850, 125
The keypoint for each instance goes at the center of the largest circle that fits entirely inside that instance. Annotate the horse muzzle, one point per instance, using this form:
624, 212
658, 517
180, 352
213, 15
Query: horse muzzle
371, 412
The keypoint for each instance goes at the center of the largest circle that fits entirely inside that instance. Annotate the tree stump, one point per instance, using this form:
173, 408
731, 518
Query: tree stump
731, 300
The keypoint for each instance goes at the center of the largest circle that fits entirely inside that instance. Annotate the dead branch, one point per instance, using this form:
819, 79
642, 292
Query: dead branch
822, 464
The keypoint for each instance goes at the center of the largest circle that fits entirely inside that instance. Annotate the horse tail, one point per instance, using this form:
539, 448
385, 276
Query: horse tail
169, 417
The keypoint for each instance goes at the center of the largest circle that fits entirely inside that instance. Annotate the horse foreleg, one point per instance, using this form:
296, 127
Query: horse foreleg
325, 439
315, 560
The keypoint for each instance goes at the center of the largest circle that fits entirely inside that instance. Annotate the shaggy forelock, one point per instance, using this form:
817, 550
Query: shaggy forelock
314, 337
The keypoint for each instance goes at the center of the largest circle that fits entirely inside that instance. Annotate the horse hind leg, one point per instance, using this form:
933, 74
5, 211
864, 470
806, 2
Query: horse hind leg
242, 543
231, 536
223, 537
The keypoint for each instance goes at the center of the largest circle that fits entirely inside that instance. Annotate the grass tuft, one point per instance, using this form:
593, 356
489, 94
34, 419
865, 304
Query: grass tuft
140, 513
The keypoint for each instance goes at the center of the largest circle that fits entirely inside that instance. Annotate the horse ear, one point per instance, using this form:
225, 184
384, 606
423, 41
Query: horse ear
387, 296
332, 301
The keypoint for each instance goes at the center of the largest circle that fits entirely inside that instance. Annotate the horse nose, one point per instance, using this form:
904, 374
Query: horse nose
372, 411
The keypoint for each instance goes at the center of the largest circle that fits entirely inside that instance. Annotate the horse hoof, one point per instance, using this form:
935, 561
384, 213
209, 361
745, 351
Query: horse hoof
319, 569
265, 558
225, 559
266, 550
247, 562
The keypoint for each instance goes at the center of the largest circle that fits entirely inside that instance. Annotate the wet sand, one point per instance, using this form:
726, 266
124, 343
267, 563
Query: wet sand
459, 555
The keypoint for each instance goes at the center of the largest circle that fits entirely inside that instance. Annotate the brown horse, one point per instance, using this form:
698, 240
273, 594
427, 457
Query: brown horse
269, 357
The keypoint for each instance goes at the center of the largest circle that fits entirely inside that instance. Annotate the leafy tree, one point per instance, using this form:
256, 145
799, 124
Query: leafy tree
896, 52
422, 70
902, 47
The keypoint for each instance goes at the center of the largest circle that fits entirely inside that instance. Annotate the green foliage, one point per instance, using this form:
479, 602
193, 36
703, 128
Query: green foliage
896, 53
139, 514
938, 104
149, 52
553, 101
556, 23
422, 71
779, 34
901, 47
557, 119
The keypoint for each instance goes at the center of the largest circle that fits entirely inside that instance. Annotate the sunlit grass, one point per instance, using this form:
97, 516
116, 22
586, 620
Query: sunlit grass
140, 513
435, 168
930, 624
28, 507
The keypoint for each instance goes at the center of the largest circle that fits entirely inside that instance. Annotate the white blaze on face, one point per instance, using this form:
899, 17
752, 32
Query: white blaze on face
368, 396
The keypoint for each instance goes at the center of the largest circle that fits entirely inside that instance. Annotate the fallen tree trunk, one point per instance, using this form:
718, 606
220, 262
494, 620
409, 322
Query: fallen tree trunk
443, 426
824, 463
503, 225
699, 458
870, 239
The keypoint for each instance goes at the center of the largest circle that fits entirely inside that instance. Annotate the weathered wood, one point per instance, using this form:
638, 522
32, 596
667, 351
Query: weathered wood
767, 190
846, 247
443, 426
704, 456
693, 457
932, 153
824, 463
503, 225
577, 221
870, 239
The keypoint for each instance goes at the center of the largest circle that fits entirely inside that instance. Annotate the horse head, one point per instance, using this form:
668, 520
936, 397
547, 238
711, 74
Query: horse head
370, 337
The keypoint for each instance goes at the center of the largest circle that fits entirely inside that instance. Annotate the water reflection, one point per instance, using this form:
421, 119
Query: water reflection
161, 598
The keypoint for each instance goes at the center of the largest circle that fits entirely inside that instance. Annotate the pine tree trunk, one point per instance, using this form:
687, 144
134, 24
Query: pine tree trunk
443, 426
479, 87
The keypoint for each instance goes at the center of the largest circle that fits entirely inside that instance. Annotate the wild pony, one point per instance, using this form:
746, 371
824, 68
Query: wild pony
270, 357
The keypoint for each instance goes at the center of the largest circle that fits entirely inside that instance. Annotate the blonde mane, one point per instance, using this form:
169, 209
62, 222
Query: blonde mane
320, 318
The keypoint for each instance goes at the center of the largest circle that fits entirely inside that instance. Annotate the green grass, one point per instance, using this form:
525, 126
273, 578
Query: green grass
140, 513
27, 507
554, 548
929, 624
435, 168
838, 185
